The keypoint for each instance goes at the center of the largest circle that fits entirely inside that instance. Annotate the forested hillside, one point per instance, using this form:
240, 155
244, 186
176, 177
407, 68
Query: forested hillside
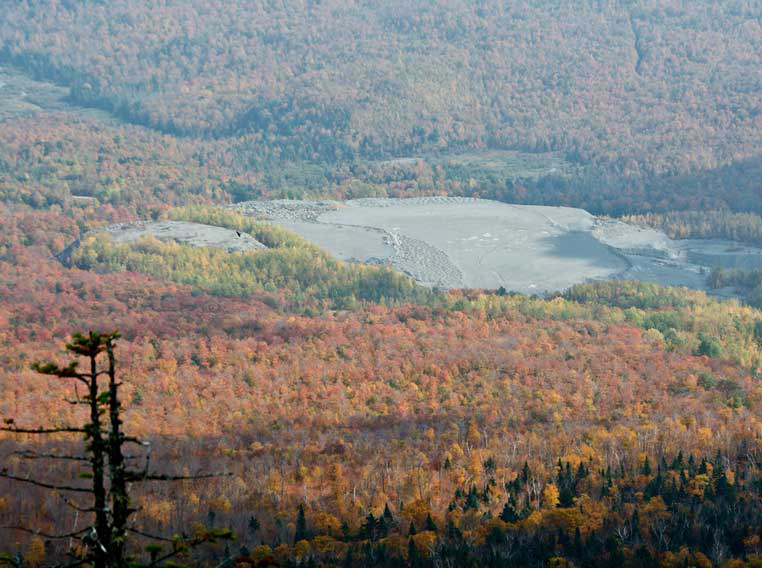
440, 423
630, 90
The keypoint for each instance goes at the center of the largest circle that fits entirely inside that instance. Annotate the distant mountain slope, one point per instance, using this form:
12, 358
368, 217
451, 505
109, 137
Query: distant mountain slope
639, 87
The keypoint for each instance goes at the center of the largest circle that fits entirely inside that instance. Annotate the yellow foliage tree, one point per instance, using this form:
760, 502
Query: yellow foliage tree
473, 437
416, 512
550, 496
426, 543
302, 550
35, 552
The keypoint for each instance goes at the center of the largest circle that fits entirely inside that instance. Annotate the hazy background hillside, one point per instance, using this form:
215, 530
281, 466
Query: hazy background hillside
628, 91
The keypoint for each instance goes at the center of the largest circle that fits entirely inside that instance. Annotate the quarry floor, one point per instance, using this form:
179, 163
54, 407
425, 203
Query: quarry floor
471, 243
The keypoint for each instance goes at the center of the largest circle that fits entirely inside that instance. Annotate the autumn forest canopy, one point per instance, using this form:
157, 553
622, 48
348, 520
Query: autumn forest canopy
343, 414
655, 103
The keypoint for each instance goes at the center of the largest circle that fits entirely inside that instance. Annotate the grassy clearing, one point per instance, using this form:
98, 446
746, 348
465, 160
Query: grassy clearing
22, 95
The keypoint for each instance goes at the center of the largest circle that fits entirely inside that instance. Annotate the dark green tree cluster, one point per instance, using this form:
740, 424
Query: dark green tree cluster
678, 512
719, 224
748, 281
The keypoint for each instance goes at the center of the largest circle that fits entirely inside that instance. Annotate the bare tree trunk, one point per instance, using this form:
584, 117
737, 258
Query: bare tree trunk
120, 500
97, 448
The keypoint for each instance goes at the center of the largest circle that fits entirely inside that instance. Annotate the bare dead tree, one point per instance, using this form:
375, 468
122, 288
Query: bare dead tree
104, 541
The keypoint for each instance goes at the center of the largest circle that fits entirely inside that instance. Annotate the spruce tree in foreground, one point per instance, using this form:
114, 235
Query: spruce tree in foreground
104, 541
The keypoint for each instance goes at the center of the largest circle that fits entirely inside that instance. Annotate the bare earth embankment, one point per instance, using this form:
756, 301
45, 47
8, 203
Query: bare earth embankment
183, 232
